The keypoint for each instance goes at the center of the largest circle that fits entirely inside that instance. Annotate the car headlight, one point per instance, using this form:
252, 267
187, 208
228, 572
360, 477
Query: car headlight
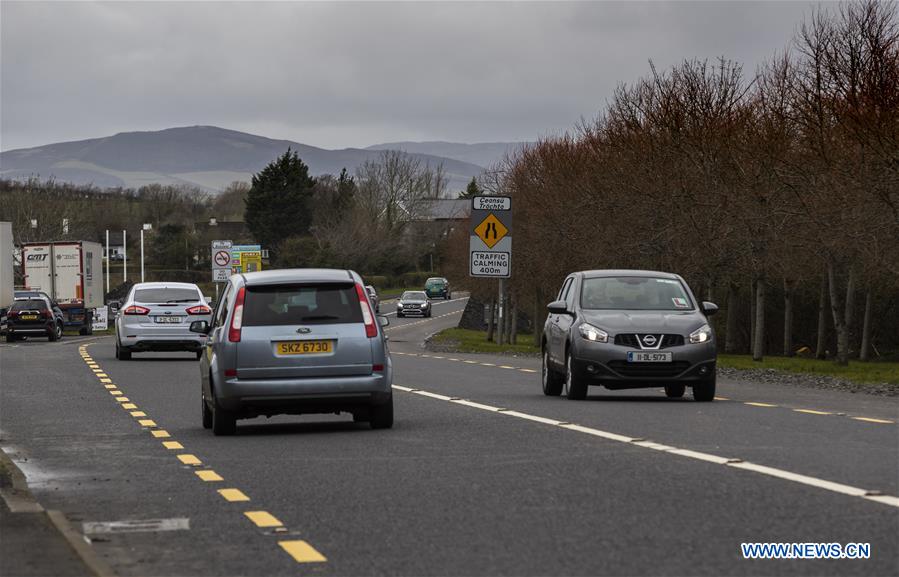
594, 334
701, 335
399, 305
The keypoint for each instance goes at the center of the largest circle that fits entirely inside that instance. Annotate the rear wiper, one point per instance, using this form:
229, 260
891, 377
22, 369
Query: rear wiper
320, 318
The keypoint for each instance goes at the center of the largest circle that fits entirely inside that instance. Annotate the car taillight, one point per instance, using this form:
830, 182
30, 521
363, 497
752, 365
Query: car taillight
12, 314
367, 317
137, 310
237, 316
199, 310
47, 314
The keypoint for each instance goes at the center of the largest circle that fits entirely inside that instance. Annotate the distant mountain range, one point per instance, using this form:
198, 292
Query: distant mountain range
211, 158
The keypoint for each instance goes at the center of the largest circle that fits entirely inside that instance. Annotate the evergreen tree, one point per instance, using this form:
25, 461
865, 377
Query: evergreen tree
471, 190
279, 201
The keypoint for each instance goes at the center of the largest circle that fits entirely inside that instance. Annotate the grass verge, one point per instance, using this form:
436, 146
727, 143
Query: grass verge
872, 372
469, 341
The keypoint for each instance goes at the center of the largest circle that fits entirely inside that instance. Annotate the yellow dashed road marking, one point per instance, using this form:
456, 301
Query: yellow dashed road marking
138, 414
122, 399
115, 392
812, 412
209, 475
189, 460
263, 519
506, 367
104, 375
302, 552
160, 434
172, 445
233, 495
760, 404
105, 380
147, 423
129, 406
110, 386
870, 420
721, 399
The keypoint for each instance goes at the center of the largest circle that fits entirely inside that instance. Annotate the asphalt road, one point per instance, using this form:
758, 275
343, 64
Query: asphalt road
481, 474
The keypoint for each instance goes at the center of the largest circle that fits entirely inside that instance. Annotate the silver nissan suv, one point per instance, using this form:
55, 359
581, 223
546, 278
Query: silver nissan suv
627, 329
295, 341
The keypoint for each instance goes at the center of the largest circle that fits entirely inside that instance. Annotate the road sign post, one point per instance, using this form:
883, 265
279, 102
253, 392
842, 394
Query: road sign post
490, 243
221, 260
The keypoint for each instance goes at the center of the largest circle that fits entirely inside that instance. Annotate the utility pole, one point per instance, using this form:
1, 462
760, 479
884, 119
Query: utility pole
125, 255
107, 260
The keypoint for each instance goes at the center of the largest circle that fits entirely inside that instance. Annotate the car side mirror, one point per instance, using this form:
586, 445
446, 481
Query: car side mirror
558, 307
709, 308
201, 327
383, 321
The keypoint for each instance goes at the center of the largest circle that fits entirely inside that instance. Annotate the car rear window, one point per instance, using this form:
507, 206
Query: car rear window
318, 304
435, 282
29, 305
634, 293
166, 295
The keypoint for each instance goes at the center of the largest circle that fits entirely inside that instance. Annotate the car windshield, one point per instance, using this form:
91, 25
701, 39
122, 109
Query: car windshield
278, 305
634, 293
435, 281
29, 305
166, 295
414, 296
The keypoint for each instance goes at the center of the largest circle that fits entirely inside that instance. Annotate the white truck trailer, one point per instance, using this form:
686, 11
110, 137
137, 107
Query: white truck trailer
72, 274
6, 272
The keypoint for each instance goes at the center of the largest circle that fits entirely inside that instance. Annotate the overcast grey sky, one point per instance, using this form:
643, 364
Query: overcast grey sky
351, 74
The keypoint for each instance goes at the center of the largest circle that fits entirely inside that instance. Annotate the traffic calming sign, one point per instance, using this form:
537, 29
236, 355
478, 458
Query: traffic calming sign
490, 243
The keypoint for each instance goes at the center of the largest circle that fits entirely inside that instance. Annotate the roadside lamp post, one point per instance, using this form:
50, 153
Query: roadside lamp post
147, 227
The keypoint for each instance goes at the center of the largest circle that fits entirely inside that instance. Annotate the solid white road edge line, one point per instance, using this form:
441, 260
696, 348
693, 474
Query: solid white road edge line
728, 462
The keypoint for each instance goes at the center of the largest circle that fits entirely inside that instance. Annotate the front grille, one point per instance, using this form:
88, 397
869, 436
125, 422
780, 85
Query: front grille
649, 370
630, 340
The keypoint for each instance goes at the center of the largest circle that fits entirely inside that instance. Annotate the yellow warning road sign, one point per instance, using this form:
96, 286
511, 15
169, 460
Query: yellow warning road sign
491, 230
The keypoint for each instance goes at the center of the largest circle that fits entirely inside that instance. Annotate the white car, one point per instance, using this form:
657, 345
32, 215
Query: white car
156, 316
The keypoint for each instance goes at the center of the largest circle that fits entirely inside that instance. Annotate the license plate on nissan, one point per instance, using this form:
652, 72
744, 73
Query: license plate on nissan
642, 357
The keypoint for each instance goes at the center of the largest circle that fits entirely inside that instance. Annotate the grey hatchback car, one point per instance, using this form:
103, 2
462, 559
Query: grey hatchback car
627, 329
295, 341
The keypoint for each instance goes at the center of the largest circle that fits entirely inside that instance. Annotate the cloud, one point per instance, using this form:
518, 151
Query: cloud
350, 74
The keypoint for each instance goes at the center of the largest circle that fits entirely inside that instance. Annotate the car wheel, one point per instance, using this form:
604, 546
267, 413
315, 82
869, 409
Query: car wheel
399, 315
199, 354
121, 352
675, 391
360, 417
574, 388
704, 391
552, 381
207, 413
224, 423
55, 333
382, 415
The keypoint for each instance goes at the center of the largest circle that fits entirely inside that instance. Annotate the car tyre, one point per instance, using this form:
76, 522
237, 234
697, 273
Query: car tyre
575, 389
675, 391
382, 415
224, 423
400, 315
199, 354
122, 353
207, 413
552, 380
55, 334
704, 391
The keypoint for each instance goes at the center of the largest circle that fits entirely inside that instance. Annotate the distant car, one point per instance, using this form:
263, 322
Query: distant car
627, 329
413, 303
156, 316
438, 287
33, 316
294, 341
373, 295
